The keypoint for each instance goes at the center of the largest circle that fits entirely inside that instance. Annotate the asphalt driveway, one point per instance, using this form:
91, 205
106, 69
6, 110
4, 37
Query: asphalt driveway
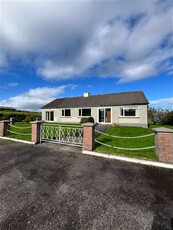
47, 187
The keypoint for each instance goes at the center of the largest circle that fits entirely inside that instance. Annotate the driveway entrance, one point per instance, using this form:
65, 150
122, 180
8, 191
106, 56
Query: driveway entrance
52, 187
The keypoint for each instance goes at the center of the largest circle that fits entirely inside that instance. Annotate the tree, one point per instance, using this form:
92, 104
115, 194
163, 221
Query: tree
157, 115
168, 119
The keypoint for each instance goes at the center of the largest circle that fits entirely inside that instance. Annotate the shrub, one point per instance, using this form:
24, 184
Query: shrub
87, 119
32, 117
168, 119
91, 119
84, 120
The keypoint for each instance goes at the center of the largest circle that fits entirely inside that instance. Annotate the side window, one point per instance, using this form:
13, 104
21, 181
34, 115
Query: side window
49, 115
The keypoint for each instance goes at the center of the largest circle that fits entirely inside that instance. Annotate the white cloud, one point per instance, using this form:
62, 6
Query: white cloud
13, 84
67, 39
34, 99
137, 72
165, 101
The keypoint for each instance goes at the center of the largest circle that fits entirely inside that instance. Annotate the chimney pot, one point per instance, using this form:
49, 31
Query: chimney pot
86, 94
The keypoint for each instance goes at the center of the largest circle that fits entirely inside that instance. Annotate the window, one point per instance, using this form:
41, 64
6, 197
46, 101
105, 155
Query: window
84, 112
128, 112
49, 115
66, 112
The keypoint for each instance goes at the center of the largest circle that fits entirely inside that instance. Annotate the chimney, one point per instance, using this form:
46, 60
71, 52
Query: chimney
86, 94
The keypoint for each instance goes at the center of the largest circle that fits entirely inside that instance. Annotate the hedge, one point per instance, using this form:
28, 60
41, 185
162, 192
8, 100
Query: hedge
20, 116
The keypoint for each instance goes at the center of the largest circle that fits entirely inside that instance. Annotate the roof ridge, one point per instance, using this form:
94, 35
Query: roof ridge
140, 91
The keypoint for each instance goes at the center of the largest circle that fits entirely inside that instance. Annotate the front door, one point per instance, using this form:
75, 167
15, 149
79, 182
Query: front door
108, 115
104, 115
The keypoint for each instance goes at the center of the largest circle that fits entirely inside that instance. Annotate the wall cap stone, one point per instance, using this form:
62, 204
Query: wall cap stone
36, 122
163, 130
89, 124
5, 121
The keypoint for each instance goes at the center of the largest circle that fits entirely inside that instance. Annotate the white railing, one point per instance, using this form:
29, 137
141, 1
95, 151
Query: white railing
20, 128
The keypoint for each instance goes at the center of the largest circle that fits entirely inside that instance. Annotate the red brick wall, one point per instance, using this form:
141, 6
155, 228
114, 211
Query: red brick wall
164, 146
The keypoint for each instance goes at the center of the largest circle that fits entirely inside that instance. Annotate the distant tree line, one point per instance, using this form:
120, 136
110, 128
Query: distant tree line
3, 108
160, 116
17, 115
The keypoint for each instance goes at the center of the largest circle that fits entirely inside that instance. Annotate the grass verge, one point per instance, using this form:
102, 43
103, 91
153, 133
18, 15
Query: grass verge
148, 154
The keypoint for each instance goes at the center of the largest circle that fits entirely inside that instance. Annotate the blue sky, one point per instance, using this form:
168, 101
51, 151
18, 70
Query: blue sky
51, 49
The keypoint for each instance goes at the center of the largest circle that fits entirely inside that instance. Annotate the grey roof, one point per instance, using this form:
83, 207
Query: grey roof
114, 99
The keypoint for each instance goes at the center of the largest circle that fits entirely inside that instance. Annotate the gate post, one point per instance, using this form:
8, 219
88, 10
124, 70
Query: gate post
4, 126
11, 120
164, 144
88, 136
36, 131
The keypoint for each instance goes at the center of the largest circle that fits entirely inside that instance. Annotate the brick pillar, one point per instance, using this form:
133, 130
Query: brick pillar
164, 144
4, 125
88, 136
36, 131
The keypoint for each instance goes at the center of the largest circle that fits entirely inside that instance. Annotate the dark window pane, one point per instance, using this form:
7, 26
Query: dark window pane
52, 116
62, 113
79, 112
121, 112
86, 112
130, 112
101, 115
67, 112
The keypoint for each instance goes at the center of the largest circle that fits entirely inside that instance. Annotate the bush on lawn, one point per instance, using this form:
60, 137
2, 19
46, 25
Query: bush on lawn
87, 119
91, 119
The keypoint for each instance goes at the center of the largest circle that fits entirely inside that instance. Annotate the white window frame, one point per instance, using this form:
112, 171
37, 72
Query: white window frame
49, 115
81, 112
64, 113
124, 108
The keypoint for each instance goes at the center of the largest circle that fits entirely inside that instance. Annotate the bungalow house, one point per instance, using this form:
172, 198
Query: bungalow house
128, 109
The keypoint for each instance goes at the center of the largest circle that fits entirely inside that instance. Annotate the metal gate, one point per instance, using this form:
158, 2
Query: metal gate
62, 135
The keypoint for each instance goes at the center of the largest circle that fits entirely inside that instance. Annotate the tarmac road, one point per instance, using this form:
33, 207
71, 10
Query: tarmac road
47, 187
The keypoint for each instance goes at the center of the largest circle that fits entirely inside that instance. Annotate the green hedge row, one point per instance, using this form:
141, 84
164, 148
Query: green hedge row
20, 116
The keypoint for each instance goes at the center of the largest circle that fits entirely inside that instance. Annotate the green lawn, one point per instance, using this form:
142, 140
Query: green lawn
62, 124
22, 130
148, 154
